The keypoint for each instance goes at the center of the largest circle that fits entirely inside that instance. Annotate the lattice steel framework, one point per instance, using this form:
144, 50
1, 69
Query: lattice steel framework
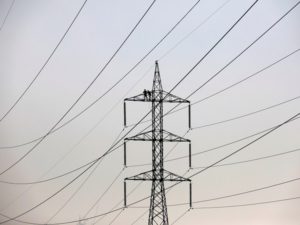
158, 213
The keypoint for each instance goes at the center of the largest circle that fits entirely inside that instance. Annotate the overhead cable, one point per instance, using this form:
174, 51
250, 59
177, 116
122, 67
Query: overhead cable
243, 80
247, 145
46, 62
113, 86
248, 204
167, 160
107, 152
238, 150
252, 160
214, 148
247, 114
84, 92
7, 14
212, 48
227, 156
230, 206
237, 56
243, 192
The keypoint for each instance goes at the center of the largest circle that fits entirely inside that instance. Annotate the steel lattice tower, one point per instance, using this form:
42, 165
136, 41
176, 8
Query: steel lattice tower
158, 213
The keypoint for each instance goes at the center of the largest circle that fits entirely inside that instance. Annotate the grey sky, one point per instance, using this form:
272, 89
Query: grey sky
32, 30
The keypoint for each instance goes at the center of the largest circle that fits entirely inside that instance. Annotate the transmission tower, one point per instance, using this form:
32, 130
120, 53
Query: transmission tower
158, 213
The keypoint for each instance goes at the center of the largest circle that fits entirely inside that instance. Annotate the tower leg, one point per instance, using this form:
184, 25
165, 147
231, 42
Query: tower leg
158, 213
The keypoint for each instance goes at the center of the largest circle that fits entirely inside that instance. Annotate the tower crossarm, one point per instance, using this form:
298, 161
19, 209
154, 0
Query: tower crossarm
145, 136
170, 137
145, 176
168, 97
147, 96
139, 98
167, 136
167, 176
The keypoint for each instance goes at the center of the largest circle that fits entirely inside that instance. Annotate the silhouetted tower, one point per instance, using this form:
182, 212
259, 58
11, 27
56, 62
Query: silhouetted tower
158, 213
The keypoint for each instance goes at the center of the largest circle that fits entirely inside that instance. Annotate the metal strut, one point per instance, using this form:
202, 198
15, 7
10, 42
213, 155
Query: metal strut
158, 213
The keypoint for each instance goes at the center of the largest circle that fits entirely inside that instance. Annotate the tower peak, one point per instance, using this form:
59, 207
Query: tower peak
157, 85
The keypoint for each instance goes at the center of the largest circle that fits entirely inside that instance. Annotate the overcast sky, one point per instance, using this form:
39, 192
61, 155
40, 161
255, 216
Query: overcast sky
31, 31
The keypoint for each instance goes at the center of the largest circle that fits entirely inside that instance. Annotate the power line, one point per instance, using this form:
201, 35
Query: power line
203, 207
102, 215
112, 148
46, 62
252, 43
262, 136
233, 206
83, 93
247, 145
61, 175
108, 151
196, 28
67, 173
79, 188
75, 192
237, 162
242, 193
113, 86
229, 143
198, 127
141, 216
40, 181
230, 86
73, 221
6, 16
168, 160
57, 192
248, 204
245, 79
201, 59
212, 95
247, 114
66, 154
121, 202
252, 160
102, 195
116, 217
84, 182
227, 156
250, 143
213, 46
245, 192
232, 195
242, 52
214, 148
180, 217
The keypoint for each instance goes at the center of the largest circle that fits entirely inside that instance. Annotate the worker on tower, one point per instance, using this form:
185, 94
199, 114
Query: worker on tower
149, 95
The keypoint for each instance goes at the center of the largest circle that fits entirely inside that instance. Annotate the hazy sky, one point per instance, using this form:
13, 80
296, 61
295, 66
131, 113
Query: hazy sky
30, 33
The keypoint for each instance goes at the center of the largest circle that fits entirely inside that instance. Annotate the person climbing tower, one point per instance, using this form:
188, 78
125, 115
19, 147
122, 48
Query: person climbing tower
145, 94
149, 95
